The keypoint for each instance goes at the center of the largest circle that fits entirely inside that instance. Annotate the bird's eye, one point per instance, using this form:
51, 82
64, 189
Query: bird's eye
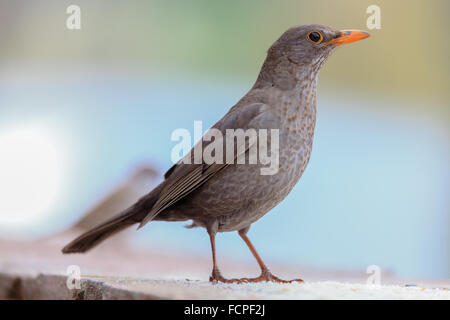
315, 37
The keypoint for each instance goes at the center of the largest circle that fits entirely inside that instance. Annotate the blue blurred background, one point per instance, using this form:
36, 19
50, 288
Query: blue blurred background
79, 109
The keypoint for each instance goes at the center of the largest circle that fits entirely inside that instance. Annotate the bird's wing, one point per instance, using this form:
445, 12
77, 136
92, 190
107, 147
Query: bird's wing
182, 179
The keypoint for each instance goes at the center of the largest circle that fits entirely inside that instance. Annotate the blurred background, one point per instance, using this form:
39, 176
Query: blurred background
81, 110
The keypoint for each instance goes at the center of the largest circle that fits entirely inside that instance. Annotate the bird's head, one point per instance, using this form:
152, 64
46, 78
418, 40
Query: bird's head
312, 44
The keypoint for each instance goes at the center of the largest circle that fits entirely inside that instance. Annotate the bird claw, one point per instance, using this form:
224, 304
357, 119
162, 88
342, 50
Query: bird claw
216, 277
267, 276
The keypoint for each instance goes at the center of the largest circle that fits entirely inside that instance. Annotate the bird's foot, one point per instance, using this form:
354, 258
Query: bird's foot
267, 276
216, 277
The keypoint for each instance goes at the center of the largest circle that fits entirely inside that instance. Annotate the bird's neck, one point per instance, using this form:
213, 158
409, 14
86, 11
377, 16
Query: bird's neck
285, 74
296, 82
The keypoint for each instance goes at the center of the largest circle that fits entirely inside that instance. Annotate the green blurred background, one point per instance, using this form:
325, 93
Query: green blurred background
407, 57
208, 53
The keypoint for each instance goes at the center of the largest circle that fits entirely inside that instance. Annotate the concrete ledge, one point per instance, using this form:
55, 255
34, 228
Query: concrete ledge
53, 287
37, 270
108, 288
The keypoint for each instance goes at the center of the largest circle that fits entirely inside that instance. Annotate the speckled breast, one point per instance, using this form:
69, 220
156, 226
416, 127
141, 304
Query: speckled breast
239, 195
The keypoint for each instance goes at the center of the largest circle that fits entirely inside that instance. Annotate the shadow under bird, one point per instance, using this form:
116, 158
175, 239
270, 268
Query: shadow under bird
224, 197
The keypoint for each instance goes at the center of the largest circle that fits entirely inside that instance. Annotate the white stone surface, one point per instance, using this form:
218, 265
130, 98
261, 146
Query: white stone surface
38, 270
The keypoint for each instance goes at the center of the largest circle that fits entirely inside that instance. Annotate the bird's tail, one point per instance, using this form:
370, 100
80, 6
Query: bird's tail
128, 217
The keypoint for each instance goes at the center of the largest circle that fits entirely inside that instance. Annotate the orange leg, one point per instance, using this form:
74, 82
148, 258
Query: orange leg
266, 275
216, 276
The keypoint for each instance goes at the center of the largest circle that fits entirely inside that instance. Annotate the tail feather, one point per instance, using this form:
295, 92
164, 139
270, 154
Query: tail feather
130, 216
95, 236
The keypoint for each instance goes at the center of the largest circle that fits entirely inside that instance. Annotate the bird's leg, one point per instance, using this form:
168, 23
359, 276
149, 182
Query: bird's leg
216, 276
266, 275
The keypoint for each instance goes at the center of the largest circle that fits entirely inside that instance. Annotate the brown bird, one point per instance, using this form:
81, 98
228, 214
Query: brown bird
224, 197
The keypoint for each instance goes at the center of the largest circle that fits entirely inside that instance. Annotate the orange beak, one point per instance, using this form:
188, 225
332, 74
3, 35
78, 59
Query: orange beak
348, 36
